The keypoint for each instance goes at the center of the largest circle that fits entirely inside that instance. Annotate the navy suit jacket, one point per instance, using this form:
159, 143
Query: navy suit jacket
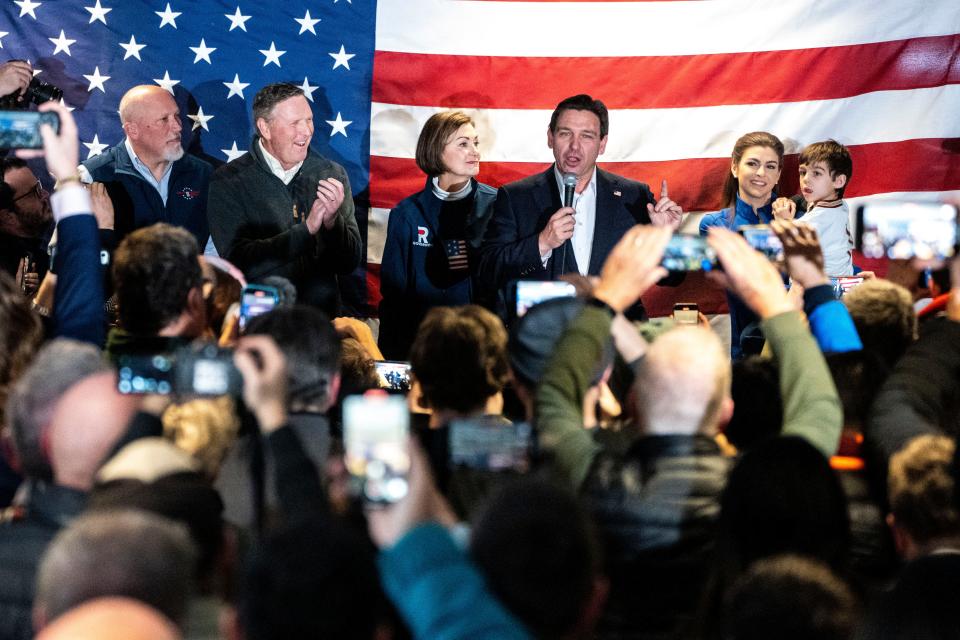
522, 210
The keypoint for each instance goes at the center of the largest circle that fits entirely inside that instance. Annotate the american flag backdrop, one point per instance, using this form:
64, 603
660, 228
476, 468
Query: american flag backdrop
683, 80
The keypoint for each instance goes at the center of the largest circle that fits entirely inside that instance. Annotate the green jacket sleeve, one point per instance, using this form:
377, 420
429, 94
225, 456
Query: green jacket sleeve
559, 401
811, 406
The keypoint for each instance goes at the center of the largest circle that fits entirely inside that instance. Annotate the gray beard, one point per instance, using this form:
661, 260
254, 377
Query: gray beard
173, 156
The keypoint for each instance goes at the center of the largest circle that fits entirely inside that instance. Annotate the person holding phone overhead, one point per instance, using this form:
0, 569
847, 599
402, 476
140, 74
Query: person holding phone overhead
748, 195
568, 218
429, 254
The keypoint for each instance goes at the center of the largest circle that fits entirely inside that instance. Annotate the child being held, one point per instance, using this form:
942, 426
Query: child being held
825, 170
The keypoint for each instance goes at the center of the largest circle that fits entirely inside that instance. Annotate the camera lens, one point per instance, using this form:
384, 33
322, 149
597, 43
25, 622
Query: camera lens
39, 92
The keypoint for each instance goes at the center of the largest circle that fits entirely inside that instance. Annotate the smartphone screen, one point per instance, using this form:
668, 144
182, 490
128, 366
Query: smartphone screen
842, 284
145, 374
533, 292
21, 129
762, 238
686, 252
394, 375
686, 313
490, 446
256, 300
375, 428
904, 230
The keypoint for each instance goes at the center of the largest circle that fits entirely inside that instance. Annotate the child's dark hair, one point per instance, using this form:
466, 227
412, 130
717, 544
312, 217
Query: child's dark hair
834, 155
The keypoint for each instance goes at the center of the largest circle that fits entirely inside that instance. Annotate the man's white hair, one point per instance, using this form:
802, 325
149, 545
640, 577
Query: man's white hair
682, 383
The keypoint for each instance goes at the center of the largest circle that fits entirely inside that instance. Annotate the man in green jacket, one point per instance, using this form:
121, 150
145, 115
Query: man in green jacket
657, 505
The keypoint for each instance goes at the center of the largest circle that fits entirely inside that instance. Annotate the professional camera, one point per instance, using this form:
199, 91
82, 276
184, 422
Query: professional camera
201, 369
37, 92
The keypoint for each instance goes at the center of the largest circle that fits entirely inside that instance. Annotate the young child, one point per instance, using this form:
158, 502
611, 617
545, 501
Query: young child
825, 170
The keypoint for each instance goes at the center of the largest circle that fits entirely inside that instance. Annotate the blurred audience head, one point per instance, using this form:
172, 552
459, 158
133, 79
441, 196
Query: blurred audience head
129, 553
20, 335
310, 579
539, 554
923, 511
159, 282
90, 418
459, 358
782, 497
221, 289
789, 597
683, 384
58, 366
312, 350
922, 604
153, 475
757, 405
883, 314
111, 619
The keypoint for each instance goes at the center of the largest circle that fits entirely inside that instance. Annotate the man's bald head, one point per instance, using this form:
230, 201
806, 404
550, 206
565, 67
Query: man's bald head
133, 101
87, 422
683, 386
151, 119
111, 619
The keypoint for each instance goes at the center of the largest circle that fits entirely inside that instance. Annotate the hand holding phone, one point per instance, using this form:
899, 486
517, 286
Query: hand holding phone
21, 129
375, 429
687, 313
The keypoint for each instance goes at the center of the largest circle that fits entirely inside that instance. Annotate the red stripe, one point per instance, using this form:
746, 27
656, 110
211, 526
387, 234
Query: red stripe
666, 81
928, 164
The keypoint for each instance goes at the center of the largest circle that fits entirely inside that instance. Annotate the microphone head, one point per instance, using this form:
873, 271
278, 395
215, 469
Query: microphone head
570, 179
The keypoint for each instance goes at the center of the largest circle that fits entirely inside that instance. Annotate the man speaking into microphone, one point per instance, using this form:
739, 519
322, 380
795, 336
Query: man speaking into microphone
568, 219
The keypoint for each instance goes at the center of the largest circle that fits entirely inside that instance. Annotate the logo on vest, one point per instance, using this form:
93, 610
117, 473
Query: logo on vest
422, 240
188, 193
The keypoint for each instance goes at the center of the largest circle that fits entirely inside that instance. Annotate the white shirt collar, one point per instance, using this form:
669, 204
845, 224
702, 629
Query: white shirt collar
286, 175
590, 189
451, 196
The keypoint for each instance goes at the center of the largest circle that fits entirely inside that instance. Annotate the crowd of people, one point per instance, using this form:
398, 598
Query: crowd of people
168, 474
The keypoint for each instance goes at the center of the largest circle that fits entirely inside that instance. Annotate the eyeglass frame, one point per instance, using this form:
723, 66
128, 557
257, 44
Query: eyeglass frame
37, 190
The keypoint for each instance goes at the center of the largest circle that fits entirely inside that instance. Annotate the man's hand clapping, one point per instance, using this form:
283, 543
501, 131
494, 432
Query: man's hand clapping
330, 196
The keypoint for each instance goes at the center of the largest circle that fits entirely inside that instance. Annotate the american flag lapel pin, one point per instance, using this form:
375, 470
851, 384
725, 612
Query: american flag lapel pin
617, 193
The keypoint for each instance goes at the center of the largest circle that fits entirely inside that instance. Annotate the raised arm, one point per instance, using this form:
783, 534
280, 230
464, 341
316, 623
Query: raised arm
632, 267
811, 407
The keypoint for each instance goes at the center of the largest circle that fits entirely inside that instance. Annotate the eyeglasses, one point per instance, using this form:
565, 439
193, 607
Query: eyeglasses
37, 190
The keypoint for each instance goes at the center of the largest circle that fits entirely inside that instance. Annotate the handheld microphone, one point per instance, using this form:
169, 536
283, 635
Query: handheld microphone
569, 183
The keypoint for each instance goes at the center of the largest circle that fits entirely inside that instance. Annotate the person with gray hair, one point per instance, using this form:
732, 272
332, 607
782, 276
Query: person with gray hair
147, 175
65, 416
126, 553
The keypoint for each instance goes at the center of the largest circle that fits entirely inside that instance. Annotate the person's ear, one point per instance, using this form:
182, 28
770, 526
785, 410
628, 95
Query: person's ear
733, 168
263, 128
840, 181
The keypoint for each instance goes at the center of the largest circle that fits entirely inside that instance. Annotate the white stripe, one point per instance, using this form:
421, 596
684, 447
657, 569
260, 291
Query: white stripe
570, 29
376, 234
518, 135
